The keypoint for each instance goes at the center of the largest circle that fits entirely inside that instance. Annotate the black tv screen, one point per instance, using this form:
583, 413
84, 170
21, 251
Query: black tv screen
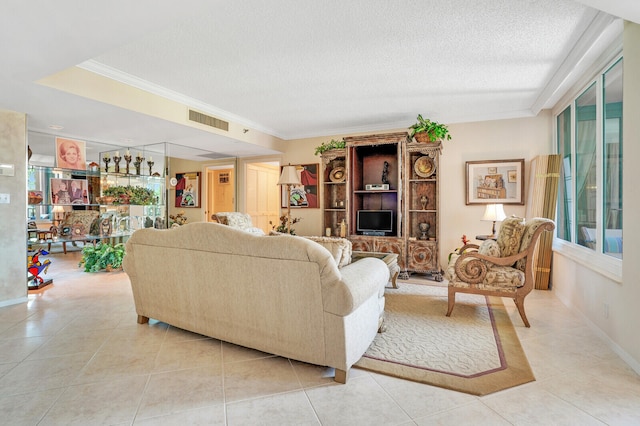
374, 220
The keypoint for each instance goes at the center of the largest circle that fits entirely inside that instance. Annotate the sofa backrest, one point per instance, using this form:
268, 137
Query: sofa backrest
216, 238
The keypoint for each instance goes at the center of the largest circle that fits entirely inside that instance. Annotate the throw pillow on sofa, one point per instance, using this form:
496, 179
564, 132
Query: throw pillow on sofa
340, 248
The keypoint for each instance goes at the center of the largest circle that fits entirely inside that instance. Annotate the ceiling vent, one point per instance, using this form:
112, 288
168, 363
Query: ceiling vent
215, 155
208, 120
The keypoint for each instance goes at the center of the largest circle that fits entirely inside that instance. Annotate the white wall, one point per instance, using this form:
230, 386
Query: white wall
488, 140
13, 227
586, 291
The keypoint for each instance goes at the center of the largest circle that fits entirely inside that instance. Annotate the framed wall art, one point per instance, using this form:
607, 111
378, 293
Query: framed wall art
495, 182
306, 194
69, 191
71, 154
188, 189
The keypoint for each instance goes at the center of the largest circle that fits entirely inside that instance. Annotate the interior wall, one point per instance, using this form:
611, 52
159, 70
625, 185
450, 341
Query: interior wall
488, 140
178, 165
13, 253
586, 291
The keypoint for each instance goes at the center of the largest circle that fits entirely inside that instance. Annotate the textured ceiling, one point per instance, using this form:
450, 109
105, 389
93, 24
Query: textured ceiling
296, 69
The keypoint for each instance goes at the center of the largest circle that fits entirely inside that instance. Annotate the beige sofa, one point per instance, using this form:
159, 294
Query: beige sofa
282, 295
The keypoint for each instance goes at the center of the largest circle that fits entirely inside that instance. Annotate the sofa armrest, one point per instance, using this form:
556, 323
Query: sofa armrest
361, 280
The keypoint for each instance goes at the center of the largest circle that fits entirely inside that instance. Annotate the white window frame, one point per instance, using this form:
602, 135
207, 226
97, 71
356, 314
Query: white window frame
595, 260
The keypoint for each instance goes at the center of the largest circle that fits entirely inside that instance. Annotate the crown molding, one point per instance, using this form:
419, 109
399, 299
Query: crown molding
600, 32
139, 83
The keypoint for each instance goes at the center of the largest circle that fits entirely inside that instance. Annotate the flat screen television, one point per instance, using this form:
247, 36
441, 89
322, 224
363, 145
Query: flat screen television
375, 222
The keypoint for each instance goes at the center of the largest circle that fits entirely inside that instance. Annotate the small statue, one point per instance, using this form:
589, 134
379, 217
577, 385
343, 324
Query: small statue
105, 226
424, 200
35, 267
424, 229
385, 173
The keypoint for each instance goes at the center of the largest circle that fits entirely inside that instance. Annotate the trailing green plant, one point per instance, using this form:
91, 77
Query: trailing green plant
435, 130
102, 255
127, 194
332, 144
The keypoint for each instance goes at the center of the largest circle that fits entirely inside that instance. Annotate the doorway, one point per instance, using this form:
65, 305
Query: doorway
263, 194
221, 193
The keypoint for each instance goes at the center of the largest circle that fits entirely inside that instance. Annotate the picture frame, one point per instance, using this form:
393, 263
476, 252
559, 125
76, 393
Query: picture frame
495, 182
71, 154
306, 194
188, 190
69, 191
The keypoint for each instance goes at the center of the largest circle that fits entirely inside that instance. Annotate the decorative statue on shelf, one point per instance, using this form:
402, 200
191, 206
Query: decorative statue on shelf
105, 226
35, 267
424, 229
385, 172
424, 200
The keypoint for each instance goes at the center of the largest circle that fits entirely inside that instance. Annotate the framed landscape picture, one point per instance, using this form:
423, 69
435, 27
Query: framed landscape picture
495, 182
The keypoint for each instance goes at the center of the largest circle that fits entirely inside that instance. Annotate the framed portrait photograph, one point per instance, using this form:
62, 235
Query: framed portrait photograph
304, 195
69, 191
188, 189
495, 182
71, 154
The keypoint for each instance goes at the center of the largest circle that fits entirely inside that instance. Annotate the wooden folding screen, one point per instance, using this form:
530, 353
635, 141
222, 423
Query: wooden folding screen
543, 193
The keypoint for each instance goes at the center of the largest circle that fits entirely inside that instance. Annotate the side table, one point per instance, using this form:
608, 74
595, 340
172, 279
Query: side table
485, 237
391, 259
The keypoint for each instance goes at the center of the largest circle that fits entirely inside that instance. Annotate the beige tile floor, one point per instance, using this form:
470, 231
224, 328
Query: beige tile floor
74, 355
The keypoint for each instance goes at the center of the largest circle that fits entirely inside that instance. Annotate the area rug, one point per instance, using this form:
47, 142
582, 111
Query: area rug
476, 350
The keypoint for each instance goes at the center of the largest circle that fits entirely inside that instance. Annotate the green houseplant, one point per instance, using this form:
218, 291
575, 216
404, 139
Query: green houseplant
282, 226
102, 256
426, 130
332, 144
127, 194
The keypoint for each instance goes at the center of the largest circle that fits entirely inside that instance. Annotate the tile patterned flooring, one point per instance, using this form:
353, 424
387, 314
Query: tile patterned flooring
74, 355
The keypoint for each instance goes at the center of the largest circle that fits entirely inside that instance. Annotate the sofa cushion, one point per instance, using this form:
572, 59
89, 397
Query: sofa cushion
510, 236
489, 248
530, 228
238, 220
340, 248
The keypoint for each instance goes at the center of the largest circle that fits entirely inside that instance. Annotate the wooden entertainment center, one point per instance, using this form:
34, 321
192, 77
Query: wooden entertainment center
382, 173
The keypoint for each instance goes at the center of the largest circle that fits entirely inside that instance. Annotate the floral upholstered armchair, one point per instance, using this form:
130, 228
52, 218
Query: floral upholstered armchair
502, 268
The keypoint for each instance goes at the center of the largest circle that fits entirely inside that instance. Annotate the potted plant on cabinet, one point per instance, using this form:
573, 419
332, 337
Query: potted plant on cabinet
426, 130
332, 144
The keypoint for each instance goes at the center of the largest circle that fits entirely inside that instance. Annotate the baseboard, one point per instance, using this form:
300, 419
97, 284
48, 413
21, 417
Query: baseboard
632, 362
13, 302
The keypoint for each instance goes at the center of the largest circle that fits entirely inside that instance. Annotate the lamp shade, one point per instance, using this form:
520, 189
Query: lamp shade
58, 209
494, 213
289, 176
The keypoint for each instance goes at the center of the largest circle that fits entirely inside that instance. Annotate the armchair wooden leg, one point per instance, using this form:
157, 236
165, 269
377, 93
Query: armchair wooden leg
520, 305
341, 376
452, 301
142, 319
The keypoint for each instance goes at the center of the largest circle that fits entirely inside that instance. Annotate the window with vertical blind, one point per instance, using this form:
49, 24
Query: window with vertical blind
589, 139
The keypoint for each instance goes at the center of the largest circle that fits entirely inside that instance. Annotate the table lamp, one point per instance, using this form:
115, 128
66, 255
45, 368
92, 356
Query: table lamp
494, 213
58, 214
289, 176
